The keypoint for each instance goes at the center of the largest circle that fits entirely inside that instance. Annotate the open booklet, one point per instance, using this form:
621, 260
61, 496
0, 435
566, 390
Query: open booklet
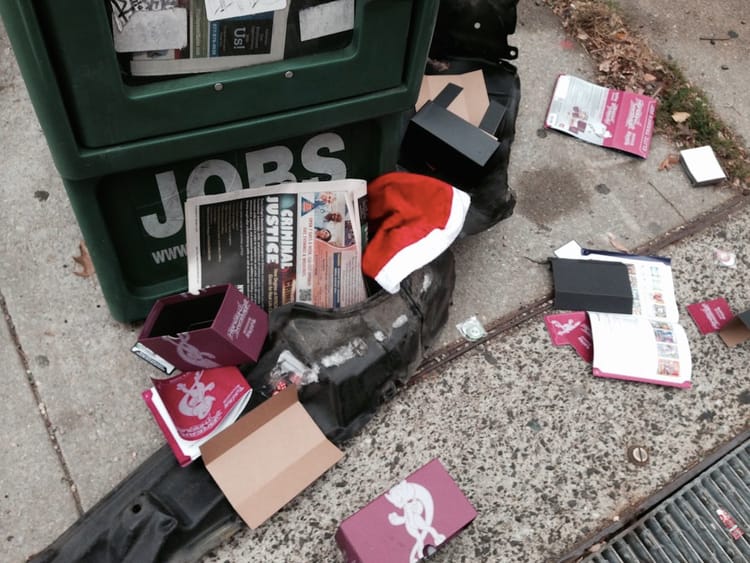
650, 344
292, 242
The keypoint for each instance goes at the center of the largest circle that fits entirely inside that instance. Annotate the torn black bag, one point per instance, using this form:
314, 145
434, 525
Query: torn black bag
473, 35
364, 355
476, 29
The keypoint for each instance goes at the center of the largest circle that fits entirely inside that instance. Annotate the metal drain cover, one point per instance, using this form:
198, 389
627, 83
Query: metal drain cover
706, 520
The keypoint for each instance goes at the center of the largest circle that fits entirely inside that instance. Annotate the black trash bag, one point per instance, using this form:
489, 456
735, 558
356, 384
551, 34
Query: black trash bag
357, 357
164, 512
160, 512
476, 29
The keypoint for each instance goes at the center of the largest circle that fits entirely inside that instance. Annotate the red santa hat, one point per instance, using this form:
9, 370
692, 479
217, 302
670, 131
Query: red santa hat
412, 219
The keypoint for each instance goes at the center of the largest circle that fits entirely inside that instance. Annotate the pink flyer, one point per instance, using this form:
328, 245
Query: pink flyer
602, 116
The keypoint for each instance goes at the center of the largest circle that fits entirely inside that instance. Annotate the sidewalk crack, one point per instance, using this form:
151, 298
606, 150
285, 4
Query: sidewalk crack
33, 387
665, 198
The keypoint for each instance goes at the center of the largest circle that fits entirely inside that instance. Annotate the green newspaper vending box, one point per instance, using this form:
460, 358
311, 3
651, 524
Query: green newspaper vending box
134, 135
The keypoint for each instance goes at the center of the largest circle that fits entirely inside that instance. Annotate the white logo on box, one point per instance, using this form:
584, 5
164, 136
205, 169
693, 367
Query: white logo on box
418, 510
195, 399
191, 354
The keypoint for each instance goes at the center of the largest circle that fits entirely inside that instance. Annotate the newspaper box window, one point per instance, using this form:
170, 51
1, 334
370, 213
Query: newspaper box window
164, 56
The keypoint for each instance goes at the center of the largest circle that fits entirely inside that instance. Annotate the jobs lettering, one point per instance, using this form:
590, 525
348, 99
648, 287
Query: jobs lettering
266, 166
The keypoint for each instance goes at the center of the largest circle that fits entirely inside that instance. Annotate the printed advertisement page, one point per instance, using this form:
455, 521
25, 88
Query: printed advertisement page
602, 116
650, 278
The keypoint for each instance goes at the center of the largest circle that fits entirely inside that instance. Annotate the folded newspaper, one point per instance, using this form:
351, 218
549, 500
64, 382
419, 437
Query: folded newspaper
293, 242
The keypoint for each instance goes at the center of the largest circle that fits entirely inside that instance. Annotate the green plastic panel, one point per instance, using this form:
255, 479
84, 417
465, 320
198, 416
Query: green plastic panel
340, 114
42, 68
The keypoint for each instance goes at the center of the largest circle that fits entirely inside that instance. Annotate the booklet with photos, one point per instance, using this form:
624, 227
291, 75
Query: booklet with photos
648, 345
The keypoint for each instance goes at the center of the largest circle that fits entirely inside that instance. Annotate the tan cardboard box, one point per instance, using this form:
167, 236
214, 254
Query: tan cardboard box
268, 457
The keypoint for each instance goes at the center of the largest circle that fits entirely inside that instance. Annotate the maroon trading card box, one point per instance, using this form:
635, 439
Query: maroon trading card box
214, 327
408, 522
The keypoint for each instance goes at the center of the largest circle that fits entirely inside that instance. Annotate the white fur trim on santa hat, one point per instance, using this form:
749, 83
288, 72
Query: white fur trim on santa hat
426, 249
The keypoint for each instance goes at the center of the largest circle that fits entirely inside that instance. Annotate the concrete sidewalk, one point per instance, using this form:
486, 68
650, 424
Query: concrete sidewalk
537, 443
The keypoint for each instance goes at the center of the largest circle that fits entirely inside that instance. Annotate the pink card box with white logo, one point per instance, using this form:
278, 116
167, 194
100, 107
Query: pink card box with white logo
214, 327
410, 521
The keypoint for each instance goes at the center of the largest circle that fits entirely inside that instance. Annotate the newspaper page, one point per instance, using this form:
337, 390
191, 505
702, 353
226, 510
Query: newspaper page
279, 244
602, 116
218, 45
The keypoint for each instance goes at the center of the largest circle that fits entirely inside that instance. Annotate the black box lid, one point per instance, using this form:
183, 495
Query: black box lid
592, 285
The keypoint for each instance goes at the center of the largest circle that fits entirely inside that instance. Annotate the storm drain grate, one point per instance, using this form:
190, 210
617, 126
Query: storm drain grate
706, 520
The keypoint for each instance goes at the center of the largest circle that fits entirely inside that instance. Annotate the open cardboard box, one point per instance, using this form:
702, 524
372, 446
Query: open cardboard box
470, 104
452, 133
268, 457
217, 326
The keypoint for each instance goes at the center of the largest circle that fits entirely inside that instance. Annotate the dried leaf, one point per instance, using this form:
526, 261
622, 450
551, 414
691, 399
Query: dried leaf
669, 161
680, 116
649, 77
604, 66
620, 35
617, 245
84, 261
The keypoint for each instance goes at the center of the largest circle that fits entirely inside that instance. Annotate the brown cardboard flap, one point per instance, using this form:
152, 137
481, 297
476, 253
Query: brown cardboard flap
259, 507
268, 457
735, 332
471, 104
248, 424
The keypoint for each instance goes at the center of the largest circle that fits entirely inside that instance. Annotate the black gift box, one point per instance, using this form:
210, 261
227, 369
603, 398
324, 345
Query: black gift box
439, 141
592, 285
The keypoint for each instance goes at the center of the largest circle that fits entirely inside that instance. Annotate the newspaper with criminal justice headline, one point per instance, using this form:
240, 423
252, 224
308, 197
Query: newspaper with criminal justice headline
290, 242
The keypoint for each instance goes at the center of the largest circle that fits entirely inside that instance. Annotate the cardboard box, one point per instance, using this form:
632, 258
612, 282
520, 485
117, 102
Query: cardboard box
470, 104
408, 522
217, 326
439, 141
268, 457
737, 330
592, 285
